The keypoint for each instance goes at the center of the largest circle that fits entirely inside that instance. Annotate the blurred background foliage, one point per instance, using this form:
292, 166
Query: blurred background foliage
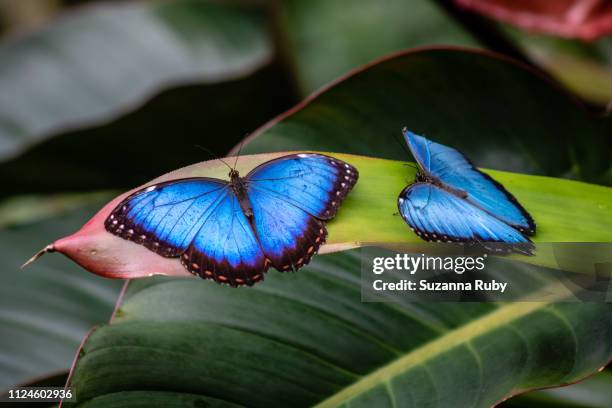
100, 96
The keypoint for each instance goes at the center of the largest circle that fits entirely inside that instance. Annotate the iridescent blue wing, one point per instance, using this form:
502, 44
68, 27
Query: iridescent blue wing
437, 215
289, 236
166, 217
453, 169
291, 197
225, 248
198, 219
313, 182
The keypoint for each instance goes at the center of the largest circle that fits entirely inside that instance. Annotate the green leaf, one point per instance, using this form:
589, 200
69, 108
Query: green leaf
594, 392
95, 63
325, 39
153, 140
198, 65
24, 210
499, 113
305, 338
584, 68
564, 210
45, 310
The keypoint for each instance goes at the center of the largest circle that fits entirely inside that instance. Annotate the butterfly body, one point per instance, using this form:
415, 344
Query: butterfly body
233, 231
428, 178
452, 201
238, 185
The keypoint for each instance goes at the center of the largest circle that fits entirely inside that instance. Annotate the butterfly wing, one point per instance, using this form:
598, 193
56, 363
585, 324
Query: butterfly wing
166, 217
455, 170
290, 198
313, 182
437, 215
225, 248
198, 219
289, 236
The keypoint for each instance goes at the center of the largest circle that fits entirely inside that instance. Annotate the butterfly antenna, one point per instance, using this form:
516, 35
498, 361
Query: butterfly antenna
47, 249
213, 155
239, 150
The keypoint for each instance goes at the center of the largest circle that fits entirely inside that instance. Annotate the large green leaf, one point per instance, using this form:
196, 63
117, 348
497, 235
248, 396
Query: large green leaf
164, 134
564, 210
46, 310
325, 39
96, 62
99, 63
305, 338
585, 68
501, 114
594, 392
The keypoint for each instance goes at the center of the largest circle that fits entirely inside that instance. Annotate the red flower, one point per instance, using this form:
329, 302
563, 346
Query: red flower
583, 19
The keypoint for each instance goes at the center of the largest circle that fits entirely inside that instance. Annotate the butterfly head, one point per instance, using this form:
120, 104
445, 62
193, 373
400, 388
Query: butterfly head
421, 177
234, 175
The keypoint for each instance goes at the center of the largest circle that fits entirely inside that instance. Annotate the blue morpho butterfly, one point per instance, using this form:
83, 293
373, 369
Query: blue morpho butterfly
452, 201
232, 231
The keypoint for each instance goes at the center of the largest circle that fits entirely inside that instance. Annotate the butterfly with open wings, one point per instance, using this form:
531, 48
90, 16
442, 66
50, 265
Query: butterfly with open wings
233, 231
